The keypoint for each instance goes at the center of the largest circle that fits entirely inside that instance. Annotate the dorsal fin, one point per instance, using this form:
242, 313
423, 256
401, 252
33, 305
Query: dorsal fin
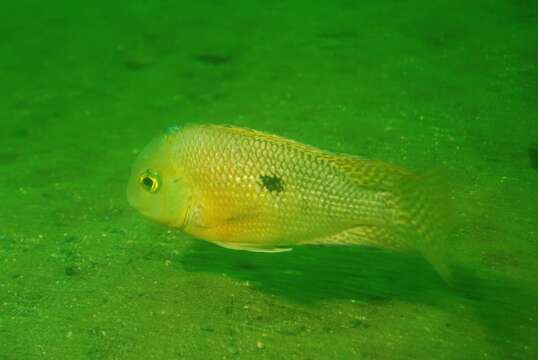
271, 138
372, 174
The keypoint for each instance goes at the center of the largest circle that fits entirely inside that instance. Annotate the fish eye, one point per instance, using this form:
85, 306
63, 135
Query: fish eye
150, 181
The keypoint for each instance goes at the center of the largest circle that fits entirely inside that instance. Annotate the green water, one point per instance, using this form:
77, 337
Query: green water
448, 85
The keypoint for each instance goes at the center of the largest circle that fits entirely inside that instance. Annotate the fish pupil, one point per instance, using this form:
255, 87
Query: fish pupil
272, 183
148, 182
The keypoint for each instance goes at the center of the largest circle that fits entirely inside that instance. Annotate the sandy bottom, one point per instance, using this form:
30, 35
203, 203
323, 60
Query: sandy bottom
450, 87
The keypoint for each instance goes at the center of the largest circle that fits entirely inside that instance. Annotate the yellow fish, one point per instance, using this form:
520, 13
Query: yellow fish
245, 189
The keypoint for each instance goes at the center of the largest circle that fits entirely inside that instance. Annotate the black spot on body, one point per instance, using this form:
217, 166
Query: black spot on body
272, 183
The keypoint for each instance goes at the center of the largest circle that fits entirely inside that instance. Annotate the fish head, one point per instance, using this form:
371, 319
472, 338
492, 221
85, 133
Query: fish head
157, 187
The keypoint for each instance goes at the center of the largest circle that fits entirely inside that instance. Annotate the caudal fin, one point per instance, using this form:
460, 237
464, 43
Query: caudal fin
419, 207
423, 214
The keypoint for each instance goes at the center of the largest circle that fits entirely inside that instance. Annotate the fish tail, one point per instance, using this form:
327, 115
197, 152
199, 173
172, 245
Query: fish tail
418, 209
422, 217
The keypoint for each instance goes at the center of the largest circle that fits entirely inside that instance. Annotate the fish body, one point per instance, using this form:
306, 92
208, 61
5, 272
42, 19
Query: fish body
245, 189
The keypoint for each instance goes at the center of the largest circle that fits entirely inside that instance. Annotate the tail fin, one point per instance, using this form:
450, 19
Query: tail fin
423, 217
420, 205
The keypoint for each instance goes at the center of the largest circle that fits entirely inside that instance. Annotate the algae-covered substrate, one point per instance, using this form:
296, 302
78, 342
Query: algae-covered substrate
449, 87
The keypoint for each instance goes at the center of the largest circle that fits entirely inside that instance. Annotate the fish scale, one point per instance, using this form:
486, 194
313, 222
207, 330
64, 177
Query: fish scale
307, 207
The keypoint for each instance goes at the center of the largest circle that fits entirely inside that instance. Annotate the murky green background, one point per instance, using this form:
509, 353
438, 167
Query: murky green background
442, 85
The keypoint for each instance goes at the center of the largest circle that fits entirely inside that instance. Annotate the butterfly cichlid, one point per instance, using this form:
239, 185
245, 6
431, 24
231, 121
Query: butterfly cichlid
248, 190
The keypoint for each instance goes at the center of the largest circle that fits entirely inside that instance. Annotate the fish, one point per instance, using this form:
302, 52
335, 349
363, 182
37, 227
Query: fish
244, 189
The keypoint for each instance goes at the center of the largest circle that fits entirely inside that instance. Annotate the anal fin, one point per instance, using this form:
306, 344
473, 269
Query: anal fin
365, 235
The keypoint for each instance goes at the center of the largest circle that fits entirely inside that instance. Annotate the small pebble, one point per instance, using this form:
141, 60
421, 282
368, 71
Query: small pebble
136, 63
70, 271
533, 155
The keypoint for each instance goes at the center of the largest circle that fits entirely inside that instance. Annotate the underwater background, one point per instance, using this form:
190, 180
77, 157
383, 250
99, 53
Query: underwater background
448, 86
